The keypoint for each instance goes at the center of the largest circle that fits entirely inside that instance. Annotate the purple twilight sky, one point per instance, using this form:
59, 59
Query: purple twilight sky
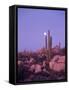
32, 23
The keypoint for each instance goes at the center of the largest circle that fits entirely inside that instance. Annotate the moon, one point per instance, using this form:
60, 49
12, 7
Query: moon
45, 33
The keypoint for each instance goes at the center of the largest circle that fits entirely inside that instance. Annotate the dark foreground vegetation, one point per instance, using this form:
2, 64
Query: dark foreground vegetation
36, 66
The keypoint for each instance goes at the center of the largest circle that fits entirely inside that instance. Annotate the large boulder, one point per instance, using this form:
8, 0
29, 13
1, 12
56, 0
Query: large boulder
36, 68
57, 63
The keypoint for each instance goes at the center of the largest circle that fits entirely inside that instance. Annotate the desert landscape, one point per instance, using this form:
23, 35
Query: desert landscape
41, 45
35, 66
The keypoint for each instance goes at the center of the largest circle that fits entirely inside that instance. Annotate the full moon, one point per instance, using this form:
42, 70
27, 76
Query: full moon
45, 33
